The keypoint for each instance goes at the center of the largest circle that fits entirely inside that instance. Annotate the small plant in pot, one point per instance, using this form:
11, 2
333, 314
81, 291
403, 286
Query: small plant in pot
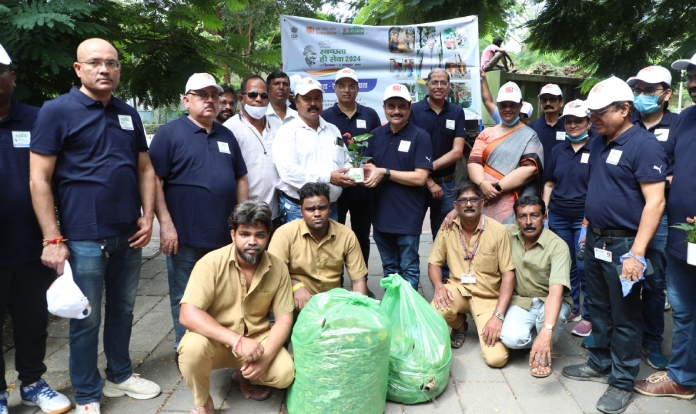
356, 148
690, 228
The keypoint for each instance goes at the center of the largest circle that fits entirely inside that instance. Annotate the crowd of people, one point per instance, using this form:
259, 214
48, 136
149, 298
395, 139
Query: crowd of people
252, 207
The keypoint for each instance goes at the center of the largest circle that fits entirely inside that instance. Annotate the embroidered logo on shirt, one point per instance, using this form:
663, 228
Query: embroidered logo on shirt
658, 169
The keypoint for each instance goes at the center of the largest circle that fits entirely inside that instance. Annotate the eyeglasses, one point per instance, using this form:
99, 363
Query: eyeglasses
552, 99
203, 96
601, 112
350, 87
441, 83
646, 91
502, 106
254, 95
576, 121
225, 102
96, 64
465, 200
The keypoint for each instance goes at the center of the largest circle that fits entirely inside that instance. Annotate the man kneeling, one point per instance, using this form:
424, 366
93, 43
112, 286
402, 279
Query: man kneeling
542, 283
225, 309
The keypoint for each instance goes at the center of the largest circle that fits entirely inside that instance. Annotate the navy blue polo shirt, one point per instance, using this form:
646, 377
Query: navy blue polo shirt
569, 171
682, 198
200, 172
399, 208
550, 136
661, 130
614, 198
364, 120
20, 234
96, 173
443, 128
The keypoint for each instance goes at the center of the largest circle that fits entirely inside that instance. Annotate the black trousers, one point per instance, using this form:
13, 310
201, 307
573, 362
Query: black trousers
360, 221
617, 321
23, 294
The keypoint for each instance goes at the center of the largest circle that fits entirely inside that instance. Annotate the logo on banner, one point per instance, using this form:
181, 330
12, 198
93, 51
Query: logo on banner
353, 31
293, 32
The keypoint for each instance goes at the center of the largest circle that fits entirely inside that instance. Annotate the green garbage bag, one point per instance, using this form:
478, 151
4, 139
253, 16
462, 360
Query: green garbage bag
341, 348
420, 356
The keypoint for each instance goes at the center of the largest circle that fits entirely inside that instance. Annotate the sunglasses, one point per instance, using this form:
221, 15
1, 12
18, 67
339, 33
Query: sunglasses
254, 95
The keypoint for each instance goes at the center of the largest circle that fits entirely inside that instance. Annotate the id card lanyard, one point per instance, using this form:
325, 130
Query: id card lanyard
470, 258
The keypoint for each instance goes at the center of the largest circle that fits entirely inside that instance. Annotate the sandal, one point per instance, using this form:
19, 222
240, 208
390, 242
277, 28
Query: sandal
539, 375
249, 390
458, 336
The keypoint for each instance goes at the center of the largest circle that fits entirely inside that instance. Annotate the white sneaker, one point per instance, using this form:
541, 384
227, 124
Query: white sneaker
134, 387
91, 408
40, 394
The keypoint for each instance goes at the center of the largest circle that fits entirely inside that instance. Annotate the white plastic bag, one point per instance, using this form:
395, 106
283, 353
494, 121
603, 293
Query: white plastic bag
65, 299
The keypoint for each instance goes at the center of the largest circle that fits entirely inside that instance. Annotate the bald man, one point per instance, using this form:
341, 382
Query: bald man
103, 181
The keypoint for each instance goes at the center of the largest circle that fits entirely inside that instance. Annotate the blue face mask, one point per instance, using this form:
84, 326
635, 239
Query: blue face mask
513, 122
646, 104
578, 139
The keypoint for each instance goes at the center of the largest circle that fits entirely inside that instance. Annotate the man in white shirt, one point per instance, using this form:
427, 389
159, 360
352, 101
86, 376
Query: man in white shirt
278, 112
308, 149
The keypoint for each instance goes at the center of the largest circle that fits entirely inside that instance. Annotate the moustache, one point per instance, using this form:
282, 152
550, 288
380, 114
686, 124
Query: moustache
226, 111
469, 209
312, 108
530, 227
250, 247
548, 107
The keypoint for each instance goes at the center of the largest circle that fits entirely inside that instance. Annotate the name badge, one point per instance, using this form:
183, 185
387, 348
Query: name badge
602, 254
584, 158
614, 157
126, 122
560, 135
404, 146
468, 278
449, 124
20, 139
360, 123
224, 147
662, 134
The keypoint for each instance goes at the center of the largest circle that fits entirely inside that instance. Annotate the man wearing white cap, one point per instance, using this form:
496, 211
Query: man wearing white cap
526, 112
680, 379
550, 131
402, 155
23, 278
627, 168
203, 176
90, 147
279, 90
309, 149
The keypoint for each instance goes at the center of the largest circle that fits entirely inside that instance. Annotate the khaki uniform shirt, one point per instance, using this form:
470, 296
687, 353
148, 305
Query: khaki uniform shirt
546, 263
318, 265
217, 286
491, 260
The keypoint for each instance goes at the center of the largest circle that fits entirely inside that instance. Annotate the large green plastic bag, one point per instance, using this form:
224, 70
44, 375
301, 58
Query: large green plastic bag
341, 348
419, 361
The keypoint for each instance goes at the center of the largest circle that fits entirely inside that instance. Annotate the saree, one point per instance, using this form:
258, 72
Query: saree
500, 154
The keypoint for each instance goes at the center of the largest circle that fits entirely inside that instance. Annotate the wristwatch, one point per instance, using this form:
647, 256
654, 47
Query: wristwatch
387, 173
499, 316
548, 326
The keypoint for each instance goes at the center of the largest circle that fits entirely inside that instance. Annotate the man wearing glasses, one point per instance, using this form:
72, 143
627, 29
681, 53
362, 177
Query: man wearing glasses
628, 169
90, 147
201, 176
227, 104
548, 129
477, 250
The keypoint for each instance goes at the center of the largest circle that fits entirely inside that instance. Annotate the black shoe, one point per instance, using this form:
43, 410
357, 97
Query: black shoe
614, 401
583, 372
370, 294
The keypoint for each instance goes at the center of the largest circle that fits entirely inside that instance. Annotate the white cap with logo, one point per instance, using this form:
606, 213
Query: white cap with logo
306, 85
509, 92
346, 73
4, 57
575, 108
199, 81
551, 89
682, 64
527, 109
608, 91
651, 74
397, 91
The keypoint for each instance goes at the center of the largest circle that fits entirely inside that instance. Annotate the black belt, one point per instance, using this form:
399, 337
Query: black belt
614, 233
445, 179
293, 199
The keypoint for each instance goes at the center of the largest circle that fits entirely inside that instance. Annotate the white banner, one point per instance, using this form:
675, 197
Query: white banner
383, 55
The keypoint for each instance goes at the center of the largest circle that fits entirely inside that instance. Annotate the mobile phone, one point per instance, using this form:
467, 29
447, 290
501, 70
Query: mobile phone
648, 272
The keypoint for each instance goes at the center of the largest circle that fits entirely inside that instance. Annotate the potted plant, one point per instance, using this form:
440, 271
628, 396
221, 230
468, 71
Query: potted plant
690, 228
356, 147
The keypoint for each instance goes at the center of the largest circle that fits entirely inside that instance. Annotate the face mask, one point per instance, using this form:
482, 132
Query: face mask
256, 112
646, 104
514, 121
578, 139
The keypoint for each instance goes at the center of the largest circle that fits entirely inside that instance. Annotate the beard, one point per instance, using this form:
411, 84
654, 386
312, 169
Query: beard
249, 258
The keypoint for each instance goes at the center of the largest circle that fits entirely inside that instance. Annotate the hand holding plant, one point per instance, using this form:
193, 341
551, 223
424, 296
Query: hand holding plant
689, 227
356, 148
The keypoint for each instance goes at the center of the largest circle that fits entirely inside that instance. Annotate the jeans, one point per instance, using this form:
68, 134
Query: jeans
119, 274
179, 267
617, 324
23, 294
681, 291
654, 287
399, 254
521, 326
289, 210
360, 221
569, 230
438, 211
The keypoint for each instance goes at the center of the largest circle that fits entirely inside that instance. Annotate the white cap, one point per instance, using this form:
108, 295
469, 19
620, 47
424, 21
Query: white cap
397, 91
608, 91
551, 89
293, 82
306, 85
4, 57
346, 73
527, 109
199, 81
509, 92
651, 74
65, 299
682, 64
575, 108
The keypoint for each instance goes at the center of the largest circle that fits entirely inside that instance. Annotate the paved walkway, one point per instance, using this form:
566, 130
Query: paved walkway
474, 387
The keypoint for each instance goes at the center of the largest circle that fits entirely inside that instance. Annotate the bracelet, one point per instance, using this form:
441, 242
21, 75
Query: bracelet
297, 286
59, 239
499, 316
431, 186
479, 184
236, 344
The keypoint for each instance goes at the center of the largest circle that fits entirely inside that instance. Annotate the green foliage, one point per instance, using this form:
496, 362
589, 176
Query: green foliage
689, 228
151, 129
355, 149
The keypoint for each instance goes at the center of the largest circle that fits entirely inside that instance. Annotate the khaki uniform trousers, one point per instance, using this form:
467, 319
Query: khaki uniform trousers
495, 356
199, 356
